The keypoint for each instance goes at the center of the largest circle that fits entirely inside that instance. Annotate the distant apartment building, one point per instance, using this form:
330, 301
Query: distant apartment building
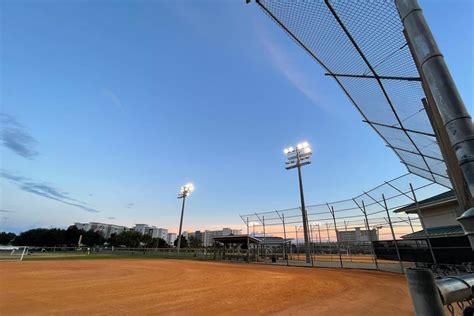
210, 234
199, 236
357, 235
154, 232
160, 233
105, 229
170, 238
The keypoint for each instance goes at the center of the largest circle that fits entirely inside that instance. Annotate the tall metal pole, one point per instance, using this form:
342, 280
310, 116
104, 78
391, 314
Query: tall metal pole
450, 119
393, 234
425, 230
181, 223
303, 210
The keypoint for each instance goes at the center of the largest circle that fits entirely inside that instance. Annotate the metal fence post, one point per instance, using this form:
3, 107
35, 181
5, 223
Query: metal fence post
331, 209
264, 240
425, 230
329, 240
319, 234
248, 242
348, 242
297, 244
311, 244
451, 118
284, 234
367, 226
424, 292
393, 234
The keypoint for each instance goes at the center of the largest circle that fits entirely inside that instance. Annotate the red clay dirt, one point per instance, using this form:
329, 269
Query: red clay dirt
192, 287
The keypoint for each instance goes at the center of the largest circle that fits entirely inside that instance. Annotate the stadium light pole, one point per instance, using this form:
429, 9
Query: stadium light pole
185, 191
297, 158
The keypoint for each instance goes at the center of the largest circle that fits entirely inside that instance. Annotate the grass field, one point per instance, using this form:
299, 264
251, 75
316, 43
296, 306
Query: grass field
137, 286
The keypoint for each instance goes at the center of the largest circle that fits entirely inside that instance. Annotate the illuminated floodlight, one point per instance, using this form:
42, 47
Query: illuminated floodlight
298, 158
184, 192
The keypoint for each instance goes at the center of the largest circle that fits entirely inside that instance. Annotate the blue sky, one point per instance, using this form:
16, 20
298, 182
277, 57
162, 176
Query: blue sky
116, 104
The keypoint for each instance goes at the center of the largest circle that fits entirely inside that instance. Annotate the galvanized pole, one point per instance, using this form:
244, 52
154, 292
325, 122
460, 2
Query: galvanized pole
374, 256
291, 250
248, 242
393, 234
411, 225
329, 240
181, 223
424, 292
297, 244
425, 230
311, 244
303, 210
337, 239
449, 116
348, 242
264, 240
284, 235
319, 234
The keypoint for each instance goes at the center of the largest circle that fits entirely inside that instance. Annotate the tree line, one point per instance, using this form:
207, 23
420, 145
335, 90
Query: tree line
57, 237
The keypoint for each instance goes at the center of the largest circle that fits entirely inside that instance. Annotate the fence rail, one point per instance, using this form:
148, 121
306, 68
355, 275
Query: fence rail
368, 231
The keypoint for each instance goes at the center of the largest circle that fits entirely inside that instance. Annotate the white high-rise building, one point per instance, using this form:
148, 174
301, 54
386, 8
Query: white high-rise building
141, 228
170, 238
209, 234
357, 235
105, 229
159, 233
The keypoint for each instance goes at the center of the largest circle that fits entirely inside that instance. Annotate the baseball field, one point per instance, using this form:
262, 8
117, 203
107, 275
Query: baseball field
147, 286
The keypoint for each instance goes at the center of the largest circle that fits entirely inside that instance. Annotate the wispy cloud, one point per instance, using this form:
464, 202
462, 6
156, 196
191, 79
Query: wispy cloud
114, 98
111, 217
14, 136
296, 74
45, 190
130, 205
7, 211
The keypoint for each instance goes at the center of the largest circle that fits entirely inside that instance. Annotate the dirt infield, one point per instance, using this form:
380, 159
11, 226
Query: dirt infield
193, 287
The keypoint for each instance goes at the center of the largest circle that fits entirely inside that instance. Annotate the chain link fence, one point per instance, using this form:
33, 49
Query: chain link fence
363, 232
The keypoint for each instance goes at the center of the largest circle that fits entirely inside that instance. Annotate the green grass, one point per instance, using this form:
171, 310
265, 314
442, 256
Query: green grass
94, 256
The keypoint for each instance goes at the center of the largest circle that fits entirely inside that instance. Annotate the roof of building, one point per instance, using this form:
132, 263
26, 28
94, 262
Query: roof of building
440, 199
236, 239
437, 232
242, 239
